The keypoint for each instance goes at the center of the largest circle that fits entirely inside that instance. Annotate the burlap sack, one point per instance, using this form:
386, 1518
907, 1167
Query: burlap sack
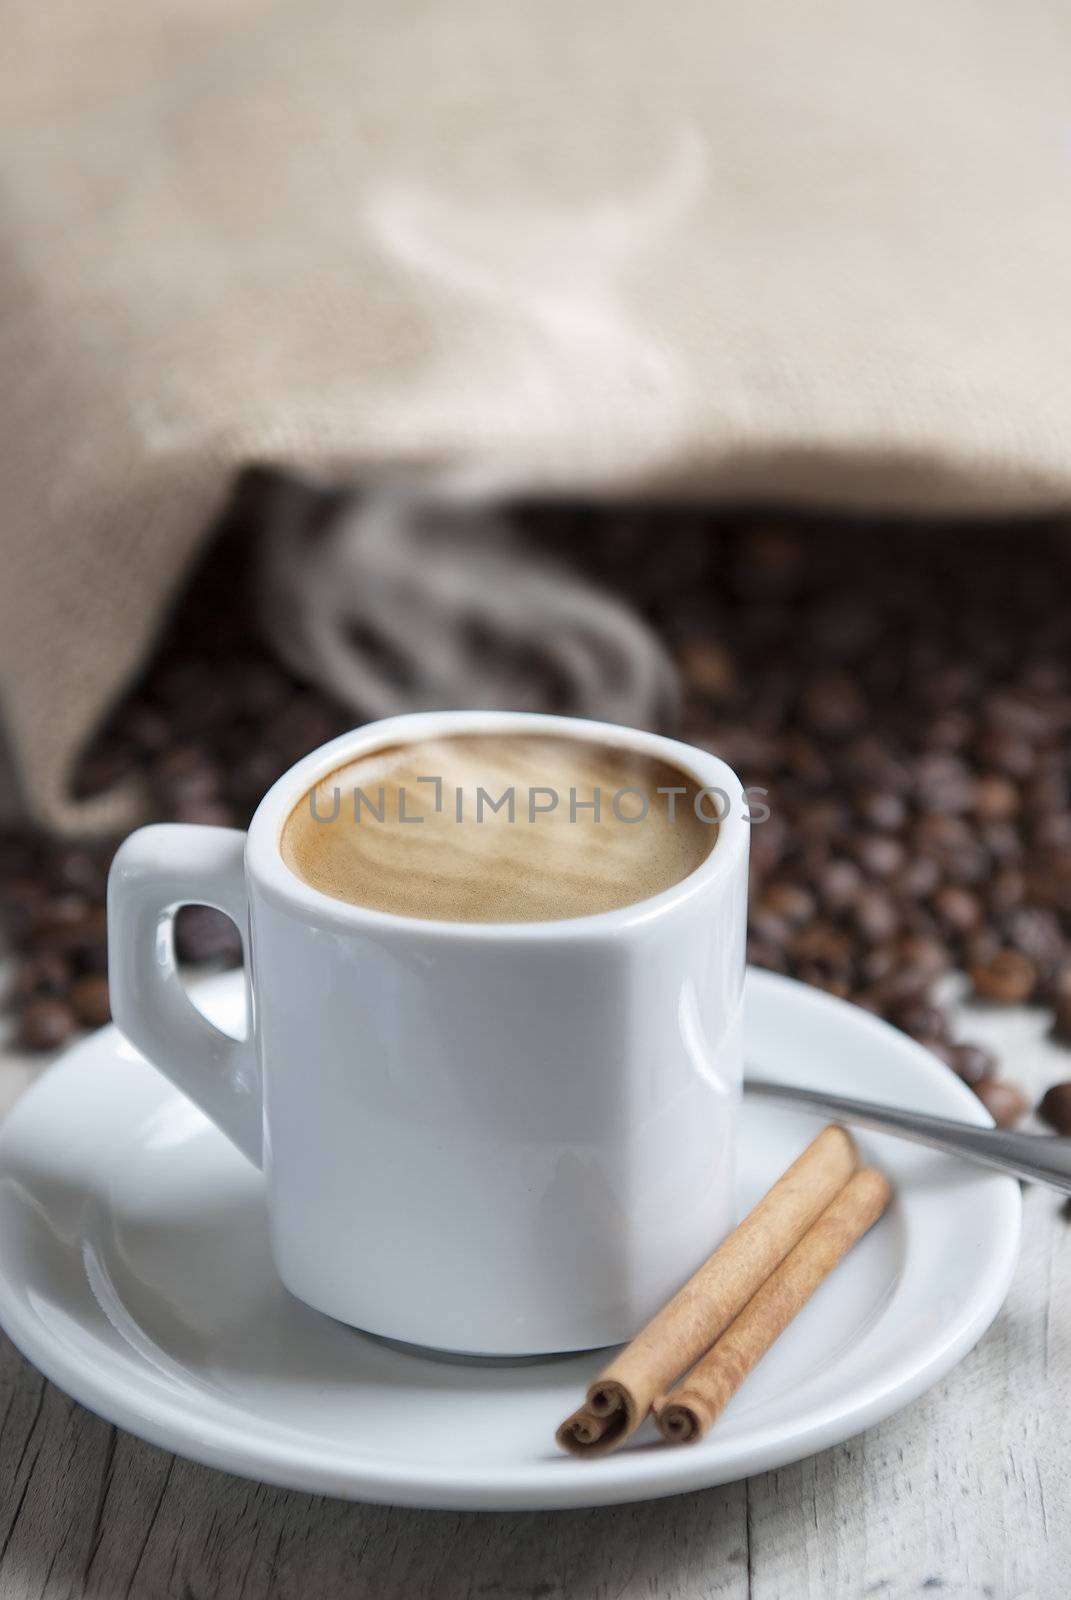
817, 251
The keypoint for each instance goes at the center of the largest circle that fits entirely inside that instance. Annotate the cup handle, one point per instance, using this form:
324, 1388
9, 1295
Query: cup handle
155, 871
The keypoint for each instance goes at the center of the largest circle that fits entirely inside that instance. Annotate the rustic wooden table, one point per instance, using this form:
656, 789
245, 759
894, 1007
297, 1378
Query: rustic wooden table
966, 1494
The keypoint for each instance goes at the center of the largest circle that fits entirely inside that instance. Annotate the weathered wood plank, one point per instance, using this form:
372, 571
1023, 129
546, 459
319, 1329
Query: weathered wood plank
97, 1513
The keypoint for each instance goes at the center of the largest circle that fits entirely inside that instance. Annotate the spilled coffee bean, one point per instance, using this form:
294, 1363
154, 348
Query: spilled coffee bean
1055, 1108
902, 694
45, 1025
1006, 975
905, 699
89, 1000
1004, 1102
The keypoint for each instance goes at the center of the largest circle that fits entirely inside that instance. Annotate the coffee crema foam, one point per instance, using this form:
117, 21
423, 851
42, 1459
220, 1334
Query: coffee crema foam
413, 829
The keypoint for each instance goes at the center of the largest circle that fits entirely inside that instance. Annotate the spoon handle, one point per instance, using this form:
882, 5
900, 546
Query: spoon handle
1037, 1158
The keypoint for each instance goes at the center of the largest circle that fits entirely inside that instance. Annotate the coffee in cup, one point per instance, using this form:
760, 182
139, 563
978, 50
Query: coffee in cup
500, 827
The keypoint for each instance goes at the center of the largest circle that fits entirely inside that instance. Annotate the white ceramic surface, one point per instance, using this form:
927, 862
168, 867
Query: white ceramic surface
135, 1271
465, 1126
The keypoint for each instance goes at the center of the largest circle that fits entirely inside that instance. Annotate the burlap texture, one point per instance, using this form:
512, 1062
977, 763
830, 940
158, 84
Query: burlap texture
816, 252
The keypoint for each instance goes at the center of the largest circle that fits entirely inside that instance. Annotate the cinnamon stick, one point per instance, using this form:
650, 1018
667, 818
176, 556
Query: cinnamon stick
685, 1415
688, 1325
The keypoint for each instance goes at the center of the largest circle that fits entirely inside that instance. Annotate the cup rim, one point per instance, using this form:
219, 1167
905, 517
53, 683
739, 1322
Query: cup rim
282, 887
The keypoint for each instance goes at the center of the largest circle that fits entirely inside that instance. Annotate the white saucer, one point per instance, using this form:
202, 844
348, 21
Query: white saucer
134, 1271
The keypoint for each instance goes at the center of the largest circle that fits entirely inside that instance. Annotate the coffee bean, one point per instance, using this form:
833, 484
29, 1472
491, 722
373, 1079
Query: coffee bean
803, 758
182, 762
917, 919
843, 630
879, 856
921, 1019
969, 865
79, 870
1042, 678
23, 898
950, 731
1061, 1020
870, 762
145, 727
882, 810
200, 715
48, 973
1012, 756
180, 681
1007, 890
959, 909
247, 780
1037, 934
918, 877
826, 819
980, 948
99, 771
887, 698
944, 786
89, 997
821, 976
789, 901
1048, 882
937, 680
973, 1063
839, 884
1053, 831
768, 846
1055, 1107
1005, 1103
928, 954
1046, 795
822, 942
996, 797
76, 933
1011, 714
301, 726
754, 751
259, 689
45, 1025
208, 813
1058, 983
199, 786
901, 984
18, 856
769, 956
833, 706
708, 668
956, 850
92, 958
867, 1002
876, 965
1002, 840
770, 561
769, 928
67, 921
874, 916
1007, 976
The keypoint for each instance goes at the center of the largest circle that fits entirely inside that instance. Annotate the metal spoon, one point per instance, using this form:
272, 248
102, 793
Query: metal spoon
1037, 1158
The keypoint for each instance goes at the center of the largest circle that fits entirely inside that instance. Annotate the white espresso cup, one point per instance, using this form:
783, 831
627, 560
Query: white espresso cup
498, 1139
